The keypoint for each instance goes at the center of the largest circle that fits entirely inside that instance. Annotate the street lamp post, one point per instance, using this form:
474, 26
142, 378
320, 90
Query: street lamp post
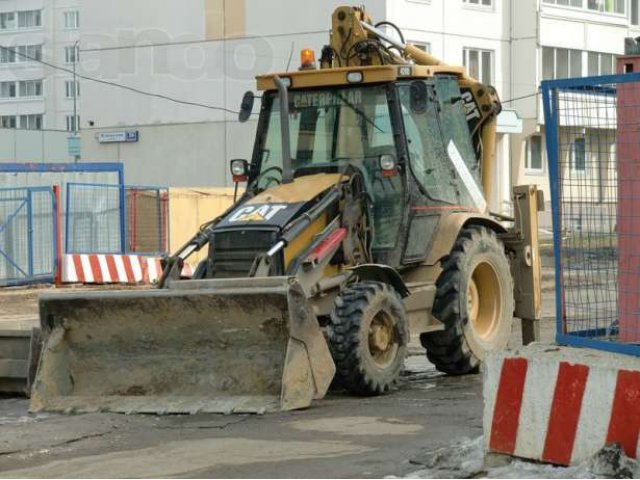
75, 98
75, 88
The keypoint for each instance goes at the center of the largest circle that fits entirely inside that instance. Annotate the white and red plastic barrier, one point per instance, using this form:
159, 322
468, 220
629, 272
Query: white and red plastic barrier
102, 269
561, 405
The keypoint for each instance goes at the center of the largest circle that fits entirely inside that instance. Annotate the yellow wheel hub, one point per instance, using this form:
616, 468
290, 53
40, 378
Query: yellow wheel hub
383, 344
483, 300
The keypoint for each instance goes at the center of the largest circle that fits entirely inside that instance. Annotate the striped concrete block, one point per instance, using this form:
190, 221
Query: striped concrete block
103, 269
561, 405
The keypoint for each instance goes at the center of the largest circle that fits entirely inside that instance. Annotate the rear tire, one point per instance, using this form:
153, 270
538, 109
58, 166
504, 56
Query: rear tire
474, 300
368, 336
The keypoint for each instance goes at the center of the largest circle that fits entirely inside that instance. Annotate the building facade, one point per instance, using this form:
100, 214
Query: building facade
34, 96
36, 100
559, 39
180, 69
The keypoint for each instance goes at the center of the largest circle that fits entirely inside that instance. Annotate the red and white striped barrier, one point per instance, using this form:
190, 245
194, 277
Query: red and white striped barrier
561, 405
101, 269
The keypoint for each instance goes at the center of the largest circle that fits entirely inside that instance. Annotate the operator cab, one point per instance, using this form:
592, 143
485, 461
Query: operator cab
409, 138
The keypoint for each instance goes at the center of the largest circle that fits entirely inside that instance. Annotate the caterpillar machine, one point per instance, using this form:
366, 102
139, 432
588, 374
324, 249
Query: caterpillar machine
365, 216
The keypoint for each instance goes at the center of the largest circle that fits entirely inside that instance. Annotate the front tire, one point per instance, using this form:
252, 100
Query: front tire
368, 336
474, 300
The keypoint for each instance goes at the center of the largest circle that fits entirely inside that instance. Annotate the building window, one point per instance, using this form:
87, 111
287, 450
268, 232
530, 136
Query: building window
533, 157
424, 46
479, 64
481, 3
71, 54
29, 19
607, 6
566, 3
8, 90
30, 88
634, 14
600, 63
578, 154
7, 21
561, 63
68, 87
31, 122
73, 123
7, 55
72, 20
8, 121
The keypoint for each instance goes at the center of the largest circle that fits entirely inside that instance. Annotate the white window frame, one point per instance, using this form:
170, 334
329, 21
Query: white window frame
31, 121
424, 46
72, 20
8, 121
481, 51
70, 123
68, 89
37, 87
575, 7
601, 10
527, 156
14, 21
11, 86
479, 4
71, 54
570, 74
37, 14
599, 70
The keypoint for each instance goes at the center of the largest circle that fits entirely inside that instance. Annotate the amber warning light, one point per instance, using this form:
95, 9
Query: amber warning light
307, 59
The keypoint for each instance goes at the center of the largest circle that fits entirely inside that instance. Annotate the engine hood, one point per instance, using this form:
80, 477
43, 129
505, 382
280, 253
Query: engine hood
279, 205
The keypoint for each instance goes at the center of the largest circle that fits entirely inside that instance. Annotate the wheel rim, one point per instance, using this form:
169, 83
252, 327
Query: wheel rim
383, 342
483, 299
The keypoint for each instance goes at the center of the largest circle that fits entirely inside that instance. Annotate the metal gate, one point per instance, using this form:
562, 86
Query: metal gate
27, 235
593, 145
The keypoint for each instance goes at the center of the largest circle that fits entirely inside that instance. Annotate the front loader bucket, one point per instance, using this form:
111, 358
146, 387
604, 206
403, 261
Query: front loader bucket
223, 346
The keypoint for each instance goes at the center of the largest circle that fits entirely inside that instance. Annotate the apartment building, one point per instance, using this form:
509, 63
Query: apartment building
559, 39
34, 96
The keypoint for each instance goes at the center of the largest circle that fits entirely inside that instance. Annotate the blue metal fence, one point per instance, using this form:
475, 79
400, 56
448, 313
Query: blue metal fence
592, 130
27, 235
103, 218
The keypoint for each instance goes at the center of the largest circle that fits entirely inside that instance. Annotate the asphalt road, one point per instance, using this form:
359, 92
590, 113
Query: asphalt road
339, 436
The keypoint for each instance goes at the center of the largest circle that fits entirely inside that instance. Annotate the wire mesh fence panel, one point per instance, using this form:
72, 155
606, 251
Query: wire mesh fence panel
593, 144
94, 218
116, 219
147, 219
27, 235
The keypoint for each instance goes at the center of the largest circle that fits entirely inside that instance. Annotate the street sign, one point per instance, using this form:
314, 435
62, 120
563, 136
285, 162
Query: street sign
73, 146
127, 136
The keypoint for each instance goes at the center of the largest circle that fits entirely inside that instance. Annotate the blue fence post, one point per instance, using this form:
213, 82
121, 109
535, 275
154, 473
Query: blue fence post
29, 233
550, 100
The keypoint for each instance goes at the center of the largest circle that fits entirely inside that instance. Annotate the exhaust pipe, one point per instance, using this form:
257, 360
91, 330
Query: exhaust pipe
287, 167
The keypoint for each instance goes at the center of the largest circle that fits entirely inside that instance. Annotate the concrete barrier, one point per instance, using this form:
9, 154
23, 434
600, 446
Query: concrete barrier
103, 269
560, 405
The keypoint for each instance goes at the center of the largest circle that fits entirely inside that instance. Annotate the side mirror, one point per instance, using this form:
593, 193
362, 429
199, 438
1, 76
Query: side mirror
418, 101
246, 107
239, 170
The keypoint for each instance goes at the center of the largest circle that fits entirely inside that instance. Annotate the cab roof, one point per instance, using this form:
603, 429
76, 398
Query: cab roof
340, 76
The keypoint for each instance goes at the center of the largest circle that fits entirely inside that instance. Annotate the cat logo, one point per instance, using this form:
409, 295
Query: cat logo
469, 105
256, 213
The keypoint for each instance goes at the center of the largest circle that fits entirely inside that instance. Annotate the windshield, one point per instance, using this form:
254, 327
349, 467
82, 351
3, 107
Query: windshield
327, 127
337, 127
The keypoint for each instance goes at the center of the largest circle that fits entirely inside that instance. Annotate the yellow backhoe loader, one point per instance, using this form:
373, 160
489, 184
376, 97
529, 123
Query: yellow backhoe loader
365, 217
